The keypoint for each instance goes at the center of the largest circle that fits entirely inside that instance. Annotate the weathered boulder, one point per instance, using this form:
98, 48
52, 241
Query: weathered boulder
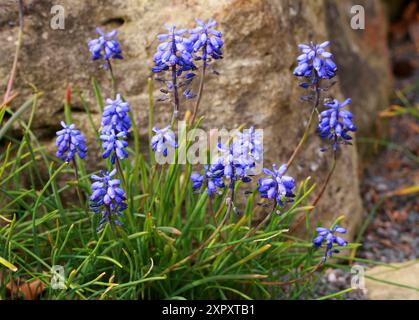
364, 61
255, 85
398, 281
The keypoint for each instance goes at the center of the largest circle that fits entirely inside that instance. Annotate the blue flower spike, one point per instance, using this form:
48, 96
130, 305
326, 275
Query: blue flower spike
175, 50
315, 62
207, 40
174, 55
211, 180
108, 198
116, 116
70, 142
105, 47
163, 140
335, 123
236, 163
114, 145
329, 237
277, 187
249, 146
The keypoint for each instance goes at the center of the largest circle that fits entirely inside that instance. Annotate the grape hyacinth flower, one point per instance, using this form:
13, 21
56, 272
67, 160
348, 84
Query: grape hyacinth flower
249, 144
174, 55
115, 144
207, 40
173, 52
162, 140
277, 187
328, 236
315, 62
115, 116
105, 47
335, 123
107, 198
212, 179
236, 165
70, 141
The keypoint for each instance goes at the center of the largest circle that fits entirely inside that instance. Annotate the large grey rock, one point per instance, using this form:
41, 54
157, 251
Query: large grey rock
256, 85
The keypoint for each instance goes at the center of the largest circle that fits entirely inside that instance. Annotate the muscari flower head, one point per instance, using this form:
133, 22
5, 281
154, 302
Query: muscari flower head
162, 140
277, 186
249, 146
236, 164
212, 179
336, 122
105, 46
114, 144
174, 51
207, 40
70, 141
315, 62
115, 115
107, 198
328, 236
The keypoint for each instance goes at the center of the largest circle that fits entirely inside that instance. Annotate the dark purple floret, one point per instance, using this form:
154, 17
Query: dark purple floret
189, 94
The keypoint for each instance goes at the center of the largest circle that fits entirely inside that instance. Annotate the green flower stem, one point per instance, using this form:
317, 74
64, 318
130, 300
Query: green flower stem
319, 196
113, 80
326, 182
308, 127
79, 193
175, 97
15, 60
200, 91
150, 114
121, 172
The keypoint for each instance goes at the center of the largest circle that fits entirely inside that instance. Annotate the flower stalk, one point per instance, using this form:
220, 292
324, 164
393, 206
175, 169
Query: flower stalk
200, 93
16, 57
308, 127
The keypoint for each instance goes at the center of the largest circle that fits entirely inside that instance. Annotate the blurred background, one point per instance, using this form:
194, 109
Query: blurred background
377, 180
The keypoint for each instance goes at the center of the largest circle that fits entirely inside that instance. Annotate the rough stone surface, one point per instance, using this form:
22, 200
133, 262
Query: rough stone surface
363, 58
255, 87
403, 274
